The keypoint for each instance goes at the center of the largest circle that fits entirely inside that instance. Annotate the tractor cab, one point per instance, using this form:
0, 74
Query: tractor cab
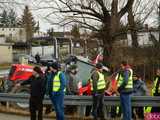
20, 72
85, 68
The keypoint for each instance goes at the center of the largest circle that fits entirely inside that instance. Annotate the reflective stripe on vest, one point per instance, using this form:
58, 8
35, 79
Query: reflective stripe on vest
147, 109
130, 80
101, 84
56, 82
154, 86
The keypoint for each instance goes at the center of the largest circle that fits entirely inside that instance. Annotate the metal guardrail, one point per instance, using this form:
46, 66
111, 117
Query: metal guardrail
85, 100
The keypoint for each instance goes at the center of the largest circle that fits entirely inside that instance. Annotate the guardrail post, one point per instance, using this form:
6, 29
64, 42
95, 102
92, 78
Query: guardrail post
7, 105
107, 111
81, 111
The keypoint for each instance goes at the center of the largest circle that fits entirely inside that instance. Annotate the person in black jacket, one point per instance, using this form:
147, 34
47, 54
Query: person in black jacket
37, 86
38, 58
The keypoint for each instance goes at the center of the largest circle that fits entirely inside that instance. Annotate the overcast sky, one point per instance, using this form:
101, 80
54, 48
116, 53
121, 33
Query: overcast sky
44, 24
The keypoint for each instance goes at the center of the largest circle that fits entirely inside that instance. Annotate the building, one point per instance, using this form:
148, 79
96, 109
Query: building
6, 55
40, 34
16, 34
145, 38
2, 39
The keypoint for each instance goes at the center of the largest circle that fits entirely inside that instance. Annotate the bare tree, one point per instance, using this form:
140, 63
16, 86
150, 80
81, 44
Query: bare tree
132, 27
137, 15
104, 13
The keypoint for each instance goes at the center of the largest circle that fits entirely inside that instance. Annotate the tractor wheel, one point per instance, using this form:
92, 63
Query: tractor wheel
7, 86
21, 90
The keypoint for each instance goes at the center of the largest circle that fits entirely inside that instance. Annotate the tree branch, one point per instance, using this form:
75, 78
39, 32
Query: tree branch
103, 7
82, 12
125, 8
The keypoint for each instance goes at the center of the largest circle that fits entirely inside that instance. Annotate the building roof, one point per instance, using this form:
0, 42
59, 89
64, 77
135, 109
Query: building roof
61, 34
6, 44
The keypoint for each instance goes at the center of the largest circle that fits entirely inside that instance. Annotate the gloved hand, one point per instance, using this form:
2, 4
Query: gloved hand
119, 89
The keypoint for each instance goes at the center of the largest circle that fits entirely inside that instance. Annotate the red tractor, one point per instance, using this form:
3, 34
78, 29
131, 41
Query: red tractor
17, 73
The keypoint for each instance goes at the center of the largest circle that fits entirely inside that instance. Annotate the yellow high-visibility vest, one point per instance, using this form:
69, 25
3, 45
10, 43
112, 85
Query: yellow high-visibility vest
154, 86
147, 109
56, 82
130, 80
101, 84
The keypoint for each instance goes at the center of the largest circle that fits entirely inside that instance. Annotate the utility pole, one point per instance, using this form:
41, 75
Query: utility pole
55, 48
71, 47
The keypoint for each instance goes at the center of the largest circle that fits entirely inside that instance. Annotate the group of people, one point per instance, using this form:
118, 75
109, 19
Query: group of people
56, 83
128, 83
124, 88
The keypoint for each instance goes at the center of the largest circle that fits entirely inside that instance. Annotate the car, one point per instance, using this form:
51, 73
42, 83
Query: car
47, 59
16, 58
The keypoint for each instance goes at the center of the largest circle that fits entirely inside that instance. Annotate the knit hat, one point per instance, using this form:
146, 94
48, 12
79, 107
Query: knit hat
99, 65
55, 65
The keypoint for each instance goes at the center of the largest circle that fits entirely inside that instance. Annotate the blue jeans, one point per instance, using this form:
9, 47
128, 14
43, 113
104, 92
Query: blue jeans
58, 102
125, 100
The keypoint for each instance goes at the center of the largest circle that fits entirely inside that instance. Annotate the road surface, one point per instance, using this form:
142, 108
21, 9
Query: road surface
4, 116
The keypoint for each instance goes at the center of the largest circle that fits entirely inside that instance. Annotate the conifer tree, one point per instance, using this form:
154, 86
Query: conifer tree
28, 23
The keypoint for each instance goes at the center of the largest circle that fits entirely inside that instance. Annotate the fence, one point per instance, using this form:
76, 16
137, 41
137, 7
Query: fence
83, 101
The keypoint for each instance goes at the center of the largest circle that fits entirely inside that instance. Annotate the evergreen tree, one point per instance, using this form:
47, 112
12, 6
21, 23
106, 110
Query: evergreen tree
28, 23
4, 19
12, 18
75, 32
8, 19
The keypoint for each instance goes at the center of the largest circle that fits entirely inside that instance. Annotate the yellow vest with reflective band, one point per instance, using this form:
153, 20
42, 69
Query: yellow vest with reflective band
147, 109
154, 86
130, 79
101, 84
56, 82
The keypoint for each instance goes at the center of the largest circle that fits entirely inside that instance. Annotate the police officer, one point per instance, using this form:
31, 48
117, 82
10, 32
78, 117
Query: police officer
58, 87
98, 87
156, 89
125, 88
